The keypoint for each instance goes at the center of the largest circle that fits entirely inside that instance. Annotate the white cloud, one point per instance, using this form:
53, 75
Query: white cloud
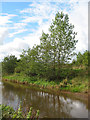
79, 17
16, 26
39, 11
20, 25
5, 18
32, 40
17, 32
15, 48
3, 34
31, 19
7, 24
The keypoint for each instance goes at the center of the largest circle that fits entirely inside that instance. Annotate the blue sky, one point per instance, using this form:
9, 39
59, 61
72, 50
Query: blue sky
21, 23
14, 8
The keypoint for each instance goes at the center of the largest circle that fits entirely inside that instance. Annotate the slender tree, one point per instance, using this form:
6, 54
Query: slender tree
62, 38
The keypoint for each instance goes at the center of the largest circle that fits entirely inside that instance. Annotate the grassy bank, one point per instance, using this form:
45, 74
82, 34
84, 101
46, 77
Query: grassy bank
76, 84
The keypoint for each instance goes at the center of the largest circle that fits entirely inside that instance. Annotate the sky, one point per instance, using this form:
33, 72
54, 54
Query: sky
22, 23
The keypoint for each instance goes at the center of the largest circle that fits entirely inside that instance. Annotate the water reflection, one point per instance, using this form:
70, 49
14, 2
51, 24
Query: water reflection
50, 105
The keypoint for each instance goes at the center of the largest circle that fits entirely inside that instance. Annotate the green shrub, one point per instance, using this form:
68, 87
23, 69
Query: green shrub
9, 112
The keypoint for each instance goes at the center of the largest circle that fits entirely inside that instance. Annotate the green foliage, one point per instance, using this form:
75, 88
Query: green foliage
9, 64
29, 113
9, 112
75, 79
62, 38
82, 59
37, 114
19, 112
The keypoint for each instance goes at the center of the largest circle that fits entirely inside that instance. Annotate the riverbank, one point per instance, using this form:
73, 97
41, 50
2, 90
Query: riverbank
80, 95
75, 85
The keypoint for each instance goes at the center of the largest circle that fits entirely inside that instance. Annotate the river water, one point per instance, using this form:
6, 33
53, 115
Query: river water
50, 105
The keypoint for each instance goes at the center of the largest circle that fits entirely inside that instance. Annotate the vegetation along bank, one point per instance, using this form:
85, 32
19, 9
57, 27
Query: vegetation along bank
8, 112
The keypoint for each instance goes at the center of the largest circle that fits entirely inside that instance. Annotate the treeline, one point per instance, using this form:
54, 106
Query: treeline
82, 59
50, 59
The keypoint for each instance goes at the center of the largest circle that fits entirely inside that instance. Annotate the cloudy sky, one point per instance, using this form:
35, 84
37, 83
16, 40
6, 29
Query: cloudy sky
21, 23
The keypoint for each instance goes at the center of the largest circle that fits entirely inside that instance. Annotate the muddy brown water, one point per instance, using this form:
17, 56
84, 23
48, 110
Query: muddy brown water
50, 105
